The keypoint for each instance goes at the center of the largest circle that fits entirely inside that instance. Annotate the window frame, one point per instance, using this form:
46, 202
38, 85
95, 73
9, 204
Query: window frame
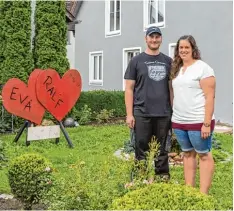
145, 15
124, 59
92, 81
109, 33
169, 49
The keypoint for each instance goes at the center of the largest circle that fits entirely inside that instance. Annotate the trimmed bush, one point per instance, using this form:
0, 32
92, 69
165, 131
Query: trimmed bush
15, 46
2, 37
100, 100
51, 36
30, 177
163, 196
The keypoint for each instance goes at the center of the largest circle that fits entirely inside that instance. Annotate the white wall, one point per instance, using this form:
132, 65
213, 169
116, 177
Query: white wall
71, 50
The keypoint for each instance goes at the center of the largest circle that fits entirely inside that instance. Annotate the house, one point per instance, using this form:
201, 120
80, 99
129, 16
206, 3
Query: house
112, 32
72, 9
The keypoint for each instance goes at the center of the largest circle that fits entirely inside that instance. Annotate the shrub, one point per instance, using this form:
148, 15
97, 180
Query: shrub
51, 36
15, 49
15, 33
2, 37
9, 123
5, 119
30, 177
105, 115
99, 100
162, 196
85, 115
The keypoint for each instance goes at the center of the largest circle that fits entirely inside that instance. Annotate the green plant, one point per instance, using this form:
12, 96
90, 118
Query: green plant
162, 196
175, 147
30, 177
51, 36
85, 115
105, 115
107, 182
69, 194
4, 127
5, 119
144, 170
219, 155
15, 47
9, 123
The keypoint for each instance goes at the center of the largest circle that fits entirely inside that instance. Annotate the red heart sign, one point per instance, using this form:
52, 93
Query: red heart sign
20, 99
58, 95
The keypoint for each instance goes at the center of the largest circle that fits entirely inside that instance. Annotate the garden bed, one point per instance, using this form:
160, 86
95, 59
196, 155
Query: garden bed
91, 177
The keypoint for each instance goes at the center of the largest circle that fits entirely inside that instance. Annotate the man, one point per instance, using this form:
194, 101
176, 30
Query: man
147, 99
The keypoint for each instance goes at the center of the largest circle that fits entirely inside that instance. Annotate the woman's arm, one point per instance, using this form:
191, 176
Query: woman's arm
208, 86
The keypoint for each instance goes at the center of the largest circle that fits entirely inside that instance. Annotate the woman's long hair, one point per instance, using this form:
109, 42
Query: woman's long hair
177, 62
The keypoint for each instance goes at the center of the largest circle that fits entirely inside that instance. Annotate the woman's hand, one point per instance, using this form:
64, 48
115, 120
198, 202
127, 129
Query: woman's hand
205, 132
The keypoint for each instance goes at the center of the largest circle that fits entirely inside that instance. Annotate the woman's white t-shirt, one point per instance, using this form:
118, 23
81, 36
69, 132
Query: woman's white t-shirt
189, 99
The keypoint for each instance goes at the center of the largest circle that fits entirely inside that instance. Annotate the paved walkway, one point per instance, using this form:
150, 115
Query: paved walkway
223, 129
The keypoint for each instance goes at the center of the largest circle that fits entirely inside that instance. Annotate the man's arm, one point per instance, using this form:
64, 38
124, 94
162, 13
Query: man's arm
129, 89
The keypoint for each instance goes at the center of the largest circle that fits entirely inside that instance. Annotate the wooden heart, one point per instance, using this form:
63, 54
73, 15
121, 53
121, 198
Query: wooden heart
58, 95
20, 99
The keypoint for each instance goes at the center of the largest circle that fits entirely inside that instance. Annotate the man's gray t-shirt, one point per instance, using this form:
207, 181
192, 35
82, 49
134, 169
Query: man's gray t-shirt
151, 92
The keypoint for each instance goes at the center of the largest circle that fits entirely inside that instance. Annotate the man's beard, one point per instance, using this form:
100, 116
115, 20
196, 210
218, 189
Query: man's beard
153, 48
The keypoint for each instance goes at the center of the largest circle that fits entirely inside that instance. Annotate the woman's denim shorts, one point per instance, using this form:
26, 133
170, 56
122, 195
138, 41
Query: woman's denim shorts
191, 140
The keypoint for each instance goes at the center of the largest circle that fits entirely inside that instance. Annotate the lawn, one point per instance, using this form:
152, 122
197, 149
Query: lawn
91, 176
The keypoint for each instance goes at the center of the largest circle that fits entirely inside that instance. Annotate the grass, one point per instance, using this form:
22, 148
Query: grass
92, 166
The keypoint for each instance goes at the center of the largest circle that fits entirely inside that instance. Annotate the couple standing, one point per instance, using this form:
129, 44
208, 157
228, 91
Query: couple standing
162, 93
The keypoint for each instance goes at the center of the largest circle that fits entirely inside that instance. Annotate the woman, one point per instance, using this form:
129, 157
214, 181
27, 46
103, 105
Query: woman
192, 89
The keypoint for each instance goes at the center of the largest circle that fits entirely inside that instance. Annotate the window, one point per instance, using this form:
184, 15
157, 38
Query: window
128, 54
154, 13
112, 17
96, 68
172, 50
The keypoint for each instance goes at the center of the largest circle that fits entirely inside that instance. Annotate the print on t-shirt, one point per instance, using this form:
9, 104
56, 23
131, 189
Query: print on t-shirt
156, 70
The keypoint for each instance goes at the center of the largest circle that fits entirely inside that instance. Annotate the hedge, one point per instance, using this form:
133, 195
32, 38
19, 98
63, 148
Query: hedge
51, 36
95, 100
2, 37
100, 99
15, 40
